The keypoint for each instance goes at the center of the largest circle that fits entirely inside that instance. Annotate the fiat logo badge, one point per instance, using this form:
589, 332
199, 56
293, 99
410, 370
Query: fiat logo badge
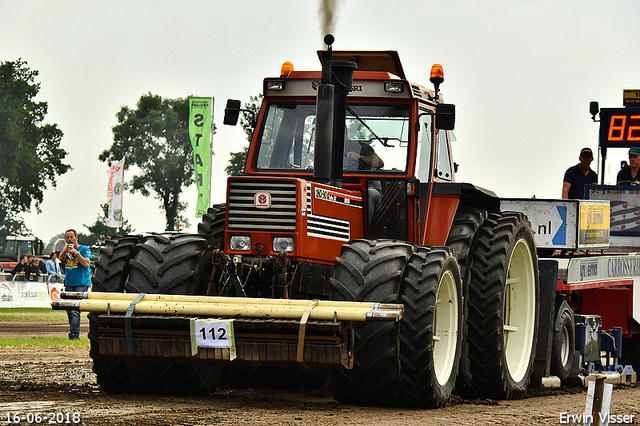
262, 200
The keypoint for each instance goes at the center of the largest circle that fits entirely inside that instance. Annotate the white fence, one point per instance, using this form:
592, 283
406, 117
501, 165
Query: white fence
19, 293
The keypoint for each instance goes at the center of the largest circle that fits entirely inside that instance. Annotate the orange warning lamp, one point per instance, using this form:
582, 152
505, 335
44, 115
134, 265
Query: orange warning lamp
287, 68
437, 74
437, 77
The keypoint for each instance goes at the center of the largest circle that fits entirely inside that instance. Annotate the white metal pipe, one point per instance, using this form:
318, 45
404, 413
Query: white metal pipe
226, 300
348, 313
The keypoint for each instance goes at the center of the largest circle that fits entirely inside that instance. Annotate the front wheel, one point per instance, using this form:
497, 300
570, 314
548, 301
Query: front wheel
371, 271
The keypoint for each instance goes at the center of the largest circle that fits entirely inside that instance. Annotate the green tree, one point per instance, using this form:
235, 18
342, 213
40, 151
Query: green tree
154, 137
235, 166
30, 153
237, 160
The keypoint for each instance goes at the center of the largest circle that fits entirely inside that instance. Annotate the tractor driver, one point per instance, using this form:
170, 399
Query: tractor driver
361, 156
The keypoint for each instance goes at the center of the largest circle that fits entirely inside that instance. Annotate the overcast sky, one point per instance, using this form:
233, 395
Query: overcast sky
521, 73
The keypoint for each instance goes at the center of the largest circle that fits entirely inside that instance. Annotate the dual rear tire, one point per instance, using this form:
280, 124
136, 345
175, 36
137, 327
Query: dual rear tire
497, 257
503, 305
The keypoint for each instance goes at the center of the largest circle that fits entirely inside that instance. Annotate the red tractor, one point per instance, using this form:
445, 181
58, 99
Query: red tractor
348, 198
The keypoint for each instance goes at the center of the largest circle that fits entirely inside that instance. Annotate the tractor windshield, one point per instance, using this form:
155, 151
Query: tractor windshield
377, 138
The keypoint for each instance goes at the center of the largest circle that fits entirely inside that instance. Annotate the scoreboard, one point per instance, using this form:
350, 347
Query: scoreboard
620, 127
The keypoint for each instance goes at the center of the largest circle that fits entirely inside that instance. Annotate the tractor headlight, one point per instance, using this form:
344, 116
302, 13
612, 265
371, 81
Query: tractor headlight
393, 86
240, 243
283, 244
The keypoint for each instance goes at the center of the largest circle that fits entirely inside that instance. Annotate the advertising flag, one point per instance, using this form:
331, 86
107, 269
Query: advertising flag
200, 110
114, 194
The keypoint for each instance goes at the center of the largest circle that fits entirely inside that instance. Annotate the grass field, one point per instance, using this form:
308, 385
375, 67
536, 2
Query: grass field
34, 314
38, 314
42, 342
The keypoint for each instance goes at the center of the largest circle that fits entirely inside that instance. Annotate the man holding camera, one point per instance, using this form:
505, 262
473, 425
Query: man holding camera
76, 259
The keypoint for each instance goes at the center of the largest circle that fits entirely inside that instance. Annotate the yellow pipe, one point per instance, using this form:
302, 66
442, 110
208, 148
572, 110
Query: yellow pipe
230, 300
227, 310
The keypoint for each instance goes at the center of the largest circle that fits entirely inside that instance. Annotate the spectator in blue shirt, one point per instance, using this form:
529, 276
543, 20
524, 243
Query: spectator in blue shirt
76, 259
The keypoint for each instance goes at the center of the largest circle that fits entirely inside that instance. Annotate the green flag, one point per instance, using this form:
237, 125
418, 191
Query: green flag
200, 133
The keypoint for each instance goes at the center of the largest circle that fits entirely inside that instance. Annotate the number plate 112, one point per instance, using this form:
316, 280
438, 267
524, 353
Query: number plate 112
212, 333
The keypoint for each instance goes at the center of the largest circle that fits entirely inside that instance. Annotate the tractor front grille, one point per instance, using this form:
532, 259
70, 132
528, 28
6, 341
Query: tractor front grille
243, 214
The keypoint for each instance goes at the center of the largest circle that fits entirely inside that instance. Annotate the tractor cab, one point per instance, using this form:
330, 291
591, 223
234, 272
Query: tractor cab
365, 131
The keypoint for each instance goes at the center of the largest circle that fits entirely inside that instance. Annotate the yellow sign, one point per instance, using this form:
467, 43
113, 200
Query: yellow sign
594, 223
631, 97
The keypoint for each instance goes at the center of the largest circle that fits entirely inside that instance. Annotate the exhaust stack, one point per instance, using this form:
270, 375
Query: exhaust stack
331, 110
342, 78
324, 118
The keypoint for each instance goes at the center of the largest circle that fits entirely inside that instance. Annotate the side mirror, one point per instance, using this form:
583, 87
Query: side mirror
445, 116
232, 112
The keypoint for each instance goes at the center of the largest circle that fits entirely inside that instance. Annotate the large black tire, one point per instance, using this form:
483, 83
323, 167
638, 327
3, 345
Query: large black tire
112, 376
462, 236
213, 223
564, 342
370, 270
112, 268
431, 328
503, 307
172, 264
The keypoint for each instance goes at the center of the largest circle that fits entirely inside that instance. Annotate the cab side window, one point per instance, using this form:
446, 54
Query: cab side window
424, 148
443, 160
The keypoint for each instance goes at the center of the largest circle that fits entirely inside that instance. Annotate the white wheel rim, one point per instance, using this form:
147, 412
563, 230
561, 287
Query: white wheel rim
564, 346
445, 328
519, 311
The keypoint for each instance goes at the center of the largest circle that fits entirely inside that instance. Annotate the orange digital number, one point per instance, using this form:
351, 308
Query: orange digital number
634, 130
620, 128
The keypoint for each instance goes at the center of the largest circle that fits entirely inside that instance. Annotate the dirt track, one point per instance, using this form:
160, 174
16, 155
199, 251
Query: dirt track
29, 329
61, 381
